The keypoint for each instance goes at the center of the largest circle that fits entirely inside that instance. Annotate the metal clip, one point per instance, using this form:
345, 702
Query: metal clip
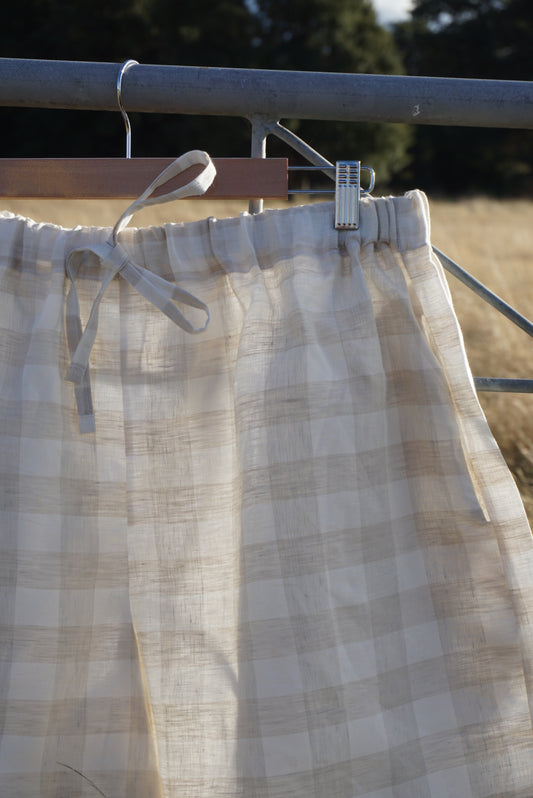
347, 189
348, 192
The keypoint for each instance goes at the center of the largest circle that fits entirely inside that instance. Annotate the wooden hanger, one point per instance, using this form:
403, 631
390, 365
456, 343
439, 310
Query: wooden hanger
118, 178
98, 178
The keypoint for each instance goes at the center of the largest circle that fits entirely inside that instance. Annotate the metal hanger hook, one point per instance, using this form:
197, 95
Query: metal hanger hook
123, 69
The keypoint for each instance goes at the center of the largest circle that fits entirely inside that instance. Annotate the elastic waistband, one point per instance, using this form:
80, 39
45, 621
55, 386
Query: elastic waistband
231, 245
156, 260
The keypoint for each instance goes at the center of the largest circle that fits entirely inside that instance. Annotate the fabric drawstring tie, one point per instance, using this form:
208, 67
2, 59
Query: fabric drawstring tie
114, 258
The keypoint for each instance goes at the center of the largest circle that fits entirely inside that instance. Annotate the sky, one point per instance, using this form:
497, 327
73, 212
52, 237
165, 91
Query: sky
391, 10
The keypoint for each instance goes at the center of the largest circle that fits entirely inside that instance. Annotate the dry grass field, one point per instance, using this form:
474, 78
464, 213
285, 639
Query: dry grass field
491, 239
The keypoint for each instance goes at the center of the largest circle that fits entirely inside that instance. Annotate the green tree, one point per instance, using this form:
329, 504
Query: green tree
488, 39
197, 33
481, 38
335, 36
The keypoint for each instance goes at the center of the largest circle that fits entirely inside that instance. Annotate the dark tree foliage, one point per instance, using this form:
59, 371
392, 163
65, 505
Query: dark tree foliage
66, 30
72, 30
150, 31
319, 35
200, 33
481, 38
335, 36
471, 39
324, 35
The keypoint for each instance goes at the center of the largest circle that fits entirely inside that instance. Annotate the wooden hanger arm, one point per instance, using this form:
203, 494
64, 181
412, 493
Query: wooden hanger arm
118, 178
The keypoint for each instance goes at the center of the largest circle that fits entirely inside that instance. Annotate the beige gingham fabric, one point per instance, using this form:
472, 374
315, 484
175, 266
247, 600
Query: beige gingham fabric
290, 561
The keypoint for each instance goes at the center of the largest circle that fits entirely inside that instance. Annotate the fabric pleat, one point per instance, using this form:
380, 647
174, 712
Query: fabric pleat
290, 561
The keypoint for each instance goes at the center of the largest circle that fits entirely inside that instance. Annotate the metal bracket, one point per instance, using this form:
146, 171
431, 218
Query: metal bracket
348, 196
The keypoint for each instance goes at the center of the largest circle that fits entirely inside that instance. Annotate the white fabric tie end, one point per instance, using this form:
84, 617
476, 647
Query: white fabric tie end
75, 373
114, 258
87, 424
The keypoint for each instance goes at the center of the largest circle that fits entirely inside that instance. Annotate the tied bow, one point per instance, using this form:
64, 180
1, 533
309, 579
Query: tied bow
114, 258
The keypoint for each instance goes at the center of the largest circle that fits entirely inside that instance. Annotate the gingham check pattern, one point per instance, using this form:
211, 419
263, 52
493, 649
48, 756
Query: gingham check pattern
290, 561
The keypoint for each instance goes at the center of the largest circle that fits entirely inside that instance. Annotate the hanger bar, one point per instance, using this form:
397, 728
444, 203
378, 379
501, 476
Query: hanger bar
94, 178
330, 172
281, 94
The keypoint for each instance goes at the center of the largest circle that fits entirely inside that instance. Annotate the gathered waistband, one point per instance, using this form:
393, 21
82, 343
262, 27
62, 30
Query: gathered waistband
231, 244
156, 261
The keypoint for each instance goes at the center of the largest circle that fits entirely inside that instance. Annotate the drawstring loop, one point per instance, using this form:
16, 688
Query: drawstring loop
115, 260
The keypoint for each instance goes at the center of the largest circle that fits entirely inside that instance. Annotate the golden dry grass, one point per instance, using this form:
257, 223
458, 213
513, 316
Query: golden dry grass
491, 239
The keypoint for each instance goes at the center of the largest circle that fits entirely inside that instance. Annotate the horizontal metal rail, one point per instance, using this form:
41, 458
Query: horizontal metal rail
503, 385
485, 293
499, 384
272, 93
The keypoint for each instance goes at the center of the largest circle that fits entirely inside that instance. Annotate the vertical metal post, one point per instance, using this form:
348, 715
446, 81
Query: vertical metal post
258, 150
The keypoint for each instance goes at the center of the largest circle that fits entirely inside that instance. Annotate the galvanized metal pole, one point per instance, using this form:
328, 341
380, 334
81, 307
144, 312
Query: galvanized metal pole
270, 93
258, 150
485, 293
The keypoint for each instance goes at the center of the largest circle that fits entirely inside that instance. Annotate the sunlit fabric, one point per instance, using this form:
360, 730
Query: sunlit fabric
290, 561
